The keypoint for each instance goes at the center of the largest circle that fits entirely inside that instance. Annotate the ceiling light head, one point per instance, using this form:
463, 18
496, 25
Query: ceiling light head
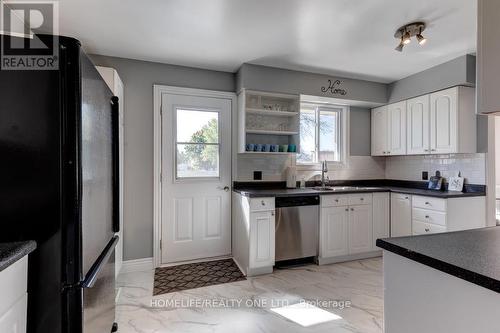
406, 32
400, 47
406, 38
421, 39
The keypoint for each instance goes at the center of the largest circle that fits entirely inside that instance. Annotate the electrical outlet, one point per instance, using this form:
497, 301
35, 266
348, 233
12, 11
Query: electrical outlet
257, 175
425, 175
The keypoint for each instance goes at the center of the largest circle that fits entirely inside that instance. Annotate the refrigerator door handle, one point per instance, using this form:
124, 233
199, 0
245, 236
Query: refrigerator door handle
96, 268
115, 119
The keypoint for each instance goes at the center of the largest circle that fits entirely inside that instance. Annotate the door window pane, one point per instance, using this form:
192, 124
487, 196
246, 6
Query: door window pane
197, 160
197, 126
197, 146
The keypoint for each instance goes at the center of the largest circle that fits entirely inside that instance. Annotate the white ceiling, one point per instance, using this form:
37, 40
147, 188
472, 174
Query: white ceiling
341, 37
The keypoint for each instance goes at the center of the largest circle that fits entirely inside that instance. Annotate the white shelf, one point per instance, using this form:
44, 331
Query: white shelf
254, 131
272, 113
268, 152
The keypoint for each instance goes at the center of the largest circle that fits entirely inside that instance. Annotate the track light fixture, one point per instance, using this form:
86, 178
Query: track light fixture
406, 32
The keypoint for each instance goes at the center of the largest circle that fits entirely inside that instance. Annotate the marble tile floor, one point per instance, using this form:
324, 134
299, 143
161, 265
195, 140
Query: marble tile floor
244, 306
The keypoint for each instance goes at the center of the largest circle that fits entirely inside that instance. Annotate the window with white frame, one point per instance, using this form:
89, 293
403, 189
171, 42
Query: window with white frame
322, 133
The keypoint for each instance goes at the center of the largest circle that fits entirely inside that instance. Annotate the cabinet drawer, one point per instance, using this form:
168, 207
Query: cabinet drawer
360, 199
429, 216
421, 228
13, 284
334, 200
261, 204
429, 203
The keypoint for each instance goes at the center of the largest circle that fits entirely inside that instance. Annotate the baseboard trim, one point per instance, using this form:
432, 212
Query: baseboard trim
360, 256
137, 265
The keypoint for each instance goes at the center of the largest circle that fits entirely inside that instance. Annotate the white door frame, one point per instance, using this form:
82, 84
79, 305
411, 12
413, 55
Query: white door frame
158, 90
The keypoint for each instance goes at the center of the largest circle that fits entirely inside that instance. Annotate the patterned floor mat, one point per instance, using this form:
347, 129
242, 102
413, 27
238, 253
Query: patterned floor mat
190, 276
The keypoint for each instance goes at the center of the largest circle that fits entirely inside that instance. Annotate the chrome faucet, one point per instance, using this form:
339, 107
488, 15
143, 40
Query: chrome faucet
324, 170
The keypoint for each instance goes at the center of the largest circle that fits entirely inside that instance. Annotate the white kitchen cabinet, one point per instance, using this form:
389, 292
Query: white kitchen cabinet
453, 121
360, 229
443, 122
488, 53
389, 130
253, 234
262, 239
381, 217
418, 125
400, 215
433, 215
346, 232
397, 128
379, 130
334, 231
13, 300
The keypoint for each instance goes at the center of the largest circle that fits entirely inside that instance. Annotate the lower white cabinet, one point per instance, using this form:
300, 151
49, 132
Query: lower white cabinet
253, 232
381, 217
13, 297
360, 229
334, 227
262, 239
400, 215
350, 224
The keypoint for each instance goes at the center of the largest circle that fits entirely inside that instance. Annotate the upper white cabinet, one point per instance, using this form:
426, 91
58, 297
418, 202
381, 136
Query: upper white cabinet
389, 130
380, 125
488, 53
397, 129
453, 121
418, 125
443, 122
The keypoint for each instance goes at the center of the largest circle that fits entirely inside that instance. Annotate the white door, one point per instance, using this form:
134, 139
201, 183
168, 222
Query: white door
262, 242
397, 128
196, 177
444, 121
379, 131
360, 229
334, 235
400, 215
417, 116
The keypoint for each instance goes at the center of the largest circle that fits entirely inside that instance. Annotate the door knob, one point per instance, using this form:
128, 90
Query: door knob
225, 188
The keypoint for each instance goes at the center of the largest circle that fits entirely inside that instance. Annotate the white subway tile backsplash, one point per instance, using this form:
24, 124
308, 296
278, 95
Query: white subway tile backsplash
471, 166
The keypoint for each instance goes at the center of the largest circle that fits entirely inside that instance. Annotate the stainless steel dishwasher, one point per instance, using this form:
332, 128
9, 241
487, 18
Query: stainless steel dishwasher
297, 227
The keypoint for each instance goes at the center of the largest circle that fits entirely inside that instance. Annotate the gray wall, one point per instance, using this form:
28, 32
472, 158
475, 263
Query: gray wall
295, 82
360, 131
459, 71
138, 78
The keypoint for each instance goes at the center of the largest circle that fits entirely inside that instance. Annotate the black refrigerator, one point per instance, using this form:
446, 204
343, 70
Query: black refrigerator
59, 187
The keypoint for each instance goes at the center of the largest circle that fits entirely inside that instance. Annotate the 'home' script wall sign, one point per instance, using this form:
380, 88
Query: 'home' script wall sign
334, 87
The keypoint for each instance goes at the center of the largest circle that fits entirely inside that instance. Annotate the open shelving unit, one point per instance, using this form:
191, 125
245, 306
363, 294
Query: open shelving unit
267, 118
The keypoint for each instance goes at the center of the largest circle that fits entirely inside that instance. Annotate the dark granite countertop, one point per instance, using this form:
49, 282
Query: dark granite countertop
283, 192
12, 252
472, 255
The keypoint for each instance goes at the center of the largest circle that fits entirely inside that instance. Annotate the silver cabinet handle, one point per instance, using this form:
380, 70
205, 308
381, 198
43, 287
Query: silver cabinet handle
347, 209
225, 188
262, 203
336, 200
406, 198
272, 213
352, 209
427, 203
426, 216
433, 149
427, 230
361, 199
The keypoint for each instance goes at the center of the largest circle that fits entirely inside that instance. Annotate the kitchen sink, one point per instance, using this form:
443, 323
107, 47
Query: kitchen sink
335, 188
